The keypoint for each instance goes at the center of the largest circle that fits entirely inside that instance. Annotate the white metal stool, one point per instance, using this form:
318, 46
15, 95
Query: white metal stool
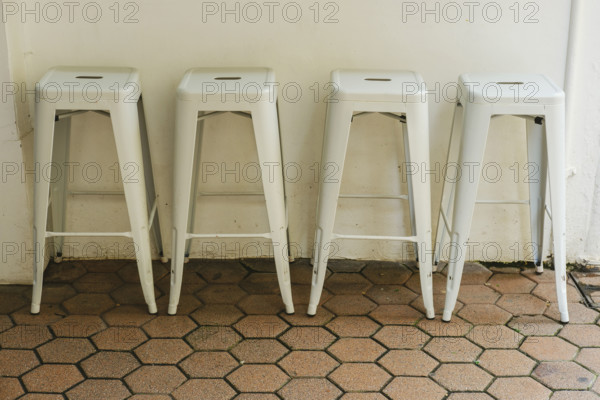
542, 104
248, 92
395, 94
116, 93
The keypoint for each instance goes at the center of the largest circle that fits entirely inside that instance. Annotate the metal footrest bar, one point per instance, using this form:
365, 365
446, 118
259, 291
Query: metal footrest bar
230, 194
153, 212
502, 201
374, 237
80, 234
227, 235
96, 193
374, 196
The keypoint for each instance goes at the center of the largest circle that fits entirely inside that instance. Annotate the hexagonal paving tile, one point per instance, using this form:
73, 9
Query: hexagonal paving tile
439, 301
127, 315
78, 326
89, 303
307, 338
345, 265
353, 326
511, 283
520, 303
173, 326
131, 293
154, 379
439, 283
10, 388
578, 313
548, 348
24, 337
582, 335
163, 351
258, 378
54, 293
261, 304
408, 388
547, 292
308, 364
484, 314
49, 313
221, 294
477, 294
396, 315
570, 395
129, 271
382, 272
216, 389
259, 351
356, 350
217, 314
340, 283
436, 327
5, 323
495, 337
302, 389
213, 338
391, 294
119, 338
109, 364
97, 282
588, 357
208, 364
63, 272
17, 362
187, 304
563, 375
261, 326
52, 378
350, 305
506, 362
359, 377
401, 337
518, 388
408, 362
300, 318
462, 377
534, 325
447, 349
221, 271
99, 389
65, 350
260, 283
473, 274
191, 282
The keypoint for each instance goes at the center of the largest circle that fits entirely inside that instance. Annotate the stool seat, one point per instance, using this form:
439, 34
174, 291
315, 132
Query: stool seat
377, 85
252, 84
509, 88
75, 87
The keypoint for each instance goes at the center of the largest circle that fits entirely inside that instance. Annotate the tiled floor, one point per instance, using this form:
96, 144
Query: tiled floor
231, 339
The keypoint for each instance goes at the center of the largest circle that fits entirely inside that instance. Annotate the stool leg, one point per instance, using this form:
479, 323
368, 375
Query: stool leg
536, 156
194, 191
555, 139
266, 133
335, 143
417, 123
126, 129
151, 196
409, 184
448, 185
472, 149
186, 119
60, 156
42, 150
